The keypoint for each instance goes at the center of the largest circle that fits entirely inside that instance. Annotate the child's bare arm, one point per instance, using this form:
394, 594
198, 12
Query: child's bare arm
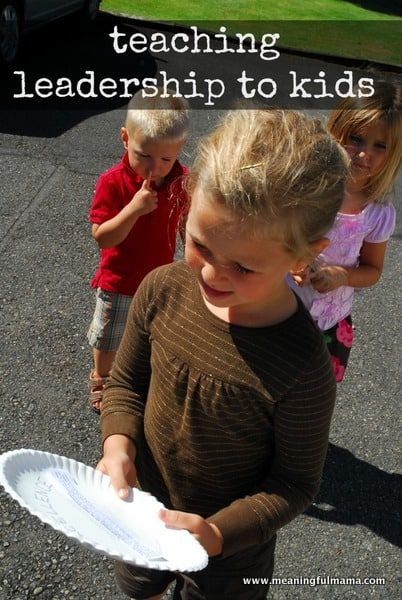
114, 231
366, 274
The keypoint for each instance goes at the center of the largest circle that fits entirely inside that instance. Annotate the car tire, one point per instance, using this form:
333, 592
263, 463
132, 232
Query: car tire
10, 31
90, 10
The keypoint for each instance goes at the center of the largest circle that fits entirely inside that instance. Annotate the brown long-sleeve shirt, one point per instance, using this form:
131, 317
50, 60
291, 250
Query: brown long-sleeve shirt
229, 422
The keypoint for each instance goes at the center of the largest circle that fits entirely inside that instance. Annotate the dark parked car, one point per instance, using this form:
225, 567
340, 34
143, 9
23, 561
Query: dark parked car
19, 16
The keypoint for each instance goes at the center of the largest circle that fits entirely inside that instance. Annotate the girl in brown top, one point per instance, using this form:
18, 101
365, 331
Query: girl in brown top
222, 391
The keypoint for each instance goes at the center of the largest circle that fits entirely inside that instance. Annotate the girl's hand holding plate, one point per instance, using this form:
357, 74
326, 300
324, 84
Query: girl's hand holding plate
118, 459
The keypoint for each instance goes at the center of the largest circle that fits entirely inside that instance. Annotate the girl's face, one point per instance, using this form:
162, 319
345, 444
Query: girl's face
235, 270
367, 150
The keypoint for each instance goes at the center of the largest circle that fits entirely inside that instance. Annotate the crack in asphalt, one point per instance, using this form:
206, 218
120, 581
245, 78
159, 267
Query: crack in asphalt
41, 194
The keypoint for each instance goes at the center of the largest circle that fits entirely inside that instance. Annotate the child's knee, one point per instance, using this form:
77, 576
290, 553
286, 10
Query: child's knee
140, 583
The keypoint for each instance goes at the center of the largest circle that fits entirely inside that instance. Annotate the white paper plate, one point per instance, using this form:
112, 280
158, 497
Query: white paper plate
80, 502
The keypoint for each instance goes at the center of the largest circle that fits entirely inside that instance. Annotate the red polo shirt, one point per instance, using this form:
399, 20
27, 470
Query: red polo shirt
152, 239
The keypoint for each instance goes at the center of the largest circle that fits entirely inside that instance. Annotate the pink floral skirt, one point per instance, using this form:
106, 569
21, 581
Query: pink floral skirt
339, 340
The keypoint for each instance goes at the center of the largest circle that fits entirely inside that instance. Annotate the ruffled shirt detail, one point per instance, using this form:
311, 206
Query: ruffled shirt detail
374, 224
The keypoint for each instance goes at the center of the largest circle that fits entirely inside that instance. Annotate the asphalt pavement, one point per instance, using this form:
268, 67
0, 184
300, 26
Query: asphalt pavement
49, 163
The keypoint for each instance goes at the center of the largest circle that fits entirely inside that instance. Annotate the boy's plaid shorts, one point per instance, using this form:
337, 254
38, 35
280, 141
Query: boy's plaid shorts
109, 319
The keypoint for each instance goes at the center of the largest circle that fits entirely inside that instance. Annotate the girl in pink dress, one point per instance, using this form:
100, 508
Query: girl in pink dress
370, 129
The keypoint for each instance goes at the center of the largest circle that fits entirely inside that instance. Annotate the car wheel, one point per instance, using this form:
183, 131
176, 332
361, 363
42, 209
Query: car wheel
91, 10
10, 31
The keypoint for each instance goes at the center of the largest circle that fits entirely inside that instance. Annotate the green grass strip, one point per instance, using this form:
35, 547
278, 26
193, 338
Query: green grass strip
337, 27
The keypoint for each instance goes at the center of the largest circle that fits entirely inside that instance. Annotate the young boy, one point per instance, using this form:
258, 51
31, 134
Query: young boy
134, 214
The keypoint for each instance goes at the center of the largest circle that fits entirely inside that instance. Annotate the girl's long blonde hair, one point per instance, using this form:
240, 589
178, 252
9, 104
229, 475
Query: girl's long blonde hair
274, 168
353, 115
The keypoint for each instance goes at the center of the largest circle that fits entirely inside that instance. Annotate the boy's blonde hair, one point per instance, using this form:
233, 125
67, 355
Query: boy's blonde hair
352, 115
157, 117
274, 169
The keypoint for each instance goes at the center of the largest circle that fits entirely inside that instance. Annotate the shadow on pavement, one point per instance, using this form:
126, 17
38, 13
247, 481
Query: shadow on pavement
68, 50
356, 492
